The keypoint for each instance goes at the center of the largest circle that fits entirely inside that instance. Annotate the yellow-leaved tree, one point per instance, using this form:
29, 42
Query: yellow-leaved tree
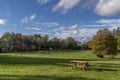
104, 43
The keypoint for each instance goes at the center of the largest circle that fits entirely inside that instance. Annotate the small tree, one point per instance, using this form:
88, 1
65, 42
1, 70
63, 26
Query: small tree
104, 43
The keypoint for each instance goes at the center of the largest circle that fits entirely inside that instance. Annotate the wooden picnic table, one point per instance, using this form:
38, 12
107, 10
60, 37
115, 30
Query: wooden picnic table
83, 64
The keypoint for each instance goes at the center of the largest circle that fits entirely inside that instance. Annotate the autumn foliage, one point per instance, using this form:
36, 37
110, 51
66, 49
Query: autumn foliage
103, 43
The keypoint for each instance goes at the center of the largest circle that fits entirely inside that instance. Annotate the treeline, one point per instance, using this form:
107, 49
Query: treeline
18, 42
13, 42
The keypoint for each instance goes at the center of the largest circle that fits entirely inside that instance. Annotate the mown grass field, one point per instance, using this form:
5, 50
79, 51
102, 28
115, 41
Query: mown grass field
54, 65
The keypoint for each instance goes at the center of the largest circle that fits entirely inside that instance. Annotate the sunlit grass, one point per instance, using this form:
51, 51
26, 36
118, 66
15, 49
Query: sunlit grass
54, 65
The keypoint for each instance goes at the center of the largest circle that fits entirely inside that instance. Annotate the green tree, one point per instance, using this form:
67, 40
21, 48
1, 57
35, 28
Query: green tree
55, 43
104, 43
70, 43
18, 42
116, 33
7, 40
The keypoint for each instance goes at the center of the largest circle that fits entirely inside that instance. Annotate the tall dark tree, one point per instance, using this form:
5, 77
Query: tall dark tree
55, 43
116, 33
70, 43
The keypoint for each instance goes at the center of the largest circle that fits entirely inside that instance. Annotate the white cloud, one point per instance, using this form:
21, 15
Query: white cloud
110, 23
43, 33
47, 24
72, 28
86, 31
32, 17
43, 1
65, 5
2, 21
50, 24
94, 25
101, 7
104, 23
33, 28
28, 18
114, 23
107, 7
24, 20
75, 31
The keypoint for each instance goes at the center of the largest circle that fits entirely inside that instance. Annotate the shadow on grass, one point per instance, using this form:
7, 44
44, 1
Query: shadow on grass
105, 67
4, 59
101, 69
7, 59
116, 59
39, 77
101, 59
13, 60
113, 65
98, 69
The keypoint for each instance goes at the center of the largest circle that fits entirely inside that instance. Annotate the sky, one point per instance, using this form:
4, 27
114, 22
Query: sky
59, 18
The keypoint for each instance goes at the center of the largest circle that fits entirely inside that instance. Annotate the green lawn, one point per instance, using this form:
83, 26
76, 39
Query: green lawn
54, 65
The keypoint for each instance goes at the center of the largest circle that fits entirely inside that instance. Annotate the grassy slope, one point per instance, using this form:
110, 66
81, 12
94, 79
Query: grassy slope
37, 66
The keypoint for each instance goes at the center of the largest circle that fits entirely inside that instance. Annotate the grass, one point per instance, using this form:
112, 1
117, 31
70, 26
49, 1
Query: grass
54, 65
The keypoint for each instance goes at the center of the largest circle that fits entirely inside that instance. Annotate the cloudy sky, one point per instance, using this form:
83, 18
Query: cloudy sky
59, 18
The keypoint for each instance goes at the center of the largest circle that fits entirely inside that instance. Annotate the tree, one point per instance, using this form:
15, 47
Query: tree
116, 33
104, 43
55, 43
18, 42
7, 41
69, 43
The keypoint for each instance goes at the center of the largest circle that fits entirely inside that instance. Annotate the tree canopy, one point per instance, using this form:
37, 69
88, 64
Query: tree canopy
116, 33
19, 42
104, 43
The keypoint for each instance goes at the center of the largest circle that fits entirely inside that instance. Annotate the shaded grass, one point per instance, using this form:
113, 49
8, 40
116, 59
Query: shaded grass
54, 65
38, 77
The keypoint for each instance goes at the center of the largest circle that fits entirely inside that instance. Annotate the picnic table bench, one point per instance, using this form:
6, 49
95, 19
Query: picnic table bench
82, 64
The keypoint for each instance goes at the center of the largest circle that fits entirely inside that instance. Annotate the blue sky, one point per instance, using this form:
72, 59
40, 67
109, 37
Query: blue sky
59, 18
